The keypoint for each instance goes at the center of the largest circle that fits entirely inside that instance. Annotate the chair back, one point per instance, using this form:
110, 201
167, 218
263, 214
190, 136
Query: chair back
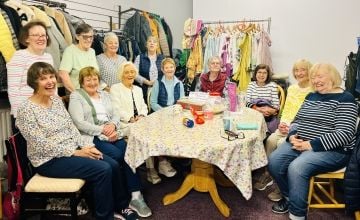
282, 98
148, 99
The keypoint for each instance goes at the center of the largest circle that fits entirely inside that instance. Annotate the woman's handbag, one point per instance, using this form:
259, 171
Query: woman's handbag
11, 203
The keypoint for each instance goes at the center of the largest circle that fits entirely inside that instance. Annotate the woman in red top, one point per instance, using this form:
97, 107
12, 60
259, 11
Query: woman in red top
214, 80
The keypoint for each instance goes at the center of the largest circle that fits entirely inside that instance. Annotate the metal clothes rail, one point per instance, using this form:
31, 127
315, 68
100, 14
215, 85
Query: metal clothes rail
243, 21
106, 21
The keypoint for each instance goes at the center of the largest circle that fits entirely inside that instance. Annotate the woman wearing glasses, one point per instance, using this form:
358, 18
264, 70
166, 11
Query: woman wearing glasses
35, 38
77, 56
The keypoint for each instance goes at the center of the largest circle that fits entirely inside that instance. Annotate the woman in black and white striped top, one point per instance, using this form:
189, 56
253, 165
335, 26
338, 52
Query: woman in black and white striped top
262, 95
320, 140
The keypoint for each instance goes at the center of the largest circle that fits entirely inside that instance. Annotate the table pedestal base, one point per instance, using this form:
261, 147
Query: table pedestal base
201, 179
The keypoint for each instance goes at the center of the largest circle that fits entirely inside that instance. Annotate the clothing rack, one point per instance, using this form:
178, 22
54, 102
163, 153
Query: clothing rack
50, 3
105, 20
243, 21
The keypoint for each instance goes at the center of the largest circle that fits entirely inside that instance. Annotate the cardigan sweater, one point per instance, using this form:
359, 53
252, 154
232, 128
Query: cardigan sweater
122, 101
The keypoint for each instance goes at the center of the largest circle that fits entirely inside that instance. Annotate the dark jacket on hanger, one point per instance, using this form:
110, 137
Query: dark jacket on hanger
14, 18
11, 29
135, 49
139, 27
352, 179
3, 74
97, 45
123, 49
168, 34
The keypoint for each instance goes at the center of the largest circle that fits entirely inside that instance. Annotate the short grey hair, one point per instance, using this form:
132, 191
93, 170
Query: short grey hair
214, 58
110, 35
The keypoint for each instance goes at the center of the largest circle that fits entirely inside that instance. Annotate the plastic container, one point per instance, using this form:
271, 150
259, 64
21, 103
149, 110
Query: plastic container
208, 113
199, 117
188, 122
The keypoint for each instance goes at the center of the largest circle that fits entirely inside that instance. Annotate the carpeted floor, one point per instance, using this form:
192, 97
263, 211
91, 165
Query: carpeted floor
196, 205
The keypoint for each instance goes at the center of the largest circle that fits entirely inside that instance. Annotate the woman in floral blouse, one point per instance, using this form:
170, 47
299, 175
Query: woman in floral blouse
56, 148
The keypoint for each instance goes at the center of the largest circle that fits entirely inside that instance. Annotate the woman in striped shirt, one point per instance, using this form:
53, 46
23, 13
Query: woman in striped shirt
35, 38
262, 95
320, 140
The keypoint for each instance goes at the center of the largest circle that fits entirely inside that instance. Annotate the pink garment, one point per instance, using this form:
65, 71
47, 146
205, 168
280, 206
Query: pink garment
263, 53
225, 57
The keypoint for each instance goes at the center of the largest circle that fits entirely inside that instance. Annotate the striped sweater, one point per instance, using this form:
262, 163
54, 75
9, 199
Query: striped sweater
328, 121
268, 91
17, 67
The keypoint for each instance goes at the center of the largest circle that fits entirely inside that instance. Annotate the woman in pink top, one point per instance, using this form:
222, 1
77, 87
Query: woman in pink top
35, 38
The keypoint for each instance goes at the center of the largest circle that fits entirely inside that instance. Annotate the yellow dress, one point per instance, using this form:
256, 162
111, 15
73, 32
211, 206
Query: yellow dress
242, 75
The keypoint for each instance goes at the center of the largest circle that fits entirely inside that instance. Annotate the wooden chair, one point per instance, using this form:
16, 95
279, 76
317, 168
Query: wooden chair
148, 99
324, 183
36, 186
357, 215
282, 98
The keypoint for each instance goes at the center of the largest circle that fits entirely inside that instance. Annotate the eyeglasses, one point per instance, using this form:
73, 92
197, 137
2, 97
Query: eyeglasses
38, 36
231, 136
87, 37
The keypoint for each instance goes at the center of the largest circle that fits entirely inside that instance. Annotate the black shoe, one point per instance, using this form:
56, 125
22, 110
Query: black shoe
126, 214
281, 207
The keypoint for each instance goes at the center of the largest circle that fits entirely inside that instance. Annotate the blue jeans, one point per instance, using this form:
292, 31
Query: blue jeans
116, 150
103, 176
293, 169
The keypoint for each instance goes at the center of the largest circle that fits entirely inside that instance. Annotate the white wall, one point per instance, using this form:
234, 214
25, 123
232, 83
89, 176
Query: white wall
175, 12
318, 30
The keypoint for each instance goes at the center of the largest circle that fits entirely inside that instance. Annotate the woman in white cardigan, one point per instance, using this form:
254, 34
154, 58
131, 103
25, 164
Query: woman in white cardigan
127, 98
129, 105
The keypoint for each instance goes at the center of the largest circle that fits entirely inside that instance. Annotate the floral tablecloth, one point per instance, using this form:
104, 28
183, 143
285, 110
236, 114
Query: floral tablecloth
162, 133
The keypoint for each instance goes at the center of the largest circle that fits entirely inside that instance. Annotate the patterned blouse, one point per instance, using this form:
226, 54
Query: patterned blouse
109, 68
49, 132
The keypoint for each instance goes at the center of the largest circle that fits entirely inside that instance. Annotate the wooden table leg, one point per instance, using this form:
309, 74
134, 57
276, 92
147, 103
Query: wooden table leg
201, 179
221, 179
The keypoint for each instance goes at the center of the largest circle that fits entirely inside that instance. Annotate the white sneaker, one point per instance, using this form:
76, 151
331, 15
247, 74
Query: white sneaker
166, 169
152, 176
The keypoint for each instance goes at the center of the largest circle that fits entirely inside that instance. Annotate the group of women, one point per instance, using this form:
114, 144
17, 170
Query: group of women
315, 132
87, 141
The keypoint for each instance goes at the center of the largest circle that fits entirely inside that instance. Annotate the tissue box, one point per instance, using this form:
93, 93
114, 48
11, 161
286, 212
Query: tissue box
187, 104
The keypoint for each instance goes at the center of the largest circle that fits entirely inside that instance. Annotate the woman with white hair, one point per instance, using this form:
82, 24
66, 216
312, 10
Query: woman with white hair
109, 61
129, 105
127, 98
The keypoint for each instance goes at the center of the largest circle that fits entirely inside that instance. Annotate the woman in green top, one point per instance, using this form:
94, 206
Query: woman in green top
76, 57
